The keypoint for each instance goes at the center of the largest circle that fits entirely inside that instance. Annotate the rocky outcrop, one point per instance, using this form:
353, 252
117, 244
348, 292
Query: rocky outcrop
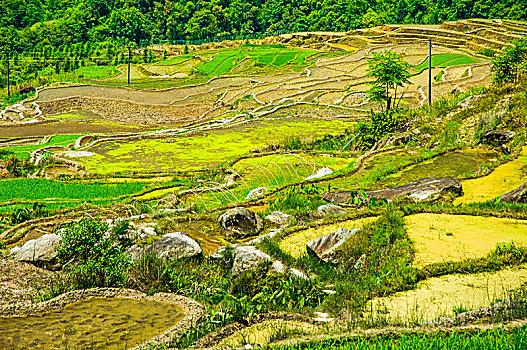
427, 189
496, 137
241, 222
278, 217
330, 209
518, 195
325, 247
175, 245
40, 251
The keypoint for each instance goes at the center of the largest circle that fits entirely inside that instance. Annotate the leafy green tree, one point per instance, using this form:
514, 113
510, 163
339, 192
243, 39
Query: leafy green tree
390, 71
508, 66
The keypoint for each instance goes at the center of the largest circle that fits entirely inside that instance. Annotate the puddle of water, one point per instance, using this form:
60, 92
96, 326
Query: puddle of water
101, 323
455, 164
503, 179
440, 296
295, 244
441, 237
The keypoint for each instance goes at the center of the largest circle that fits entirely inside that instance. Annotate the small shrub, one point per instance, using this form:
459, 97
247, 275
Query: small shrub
90, 257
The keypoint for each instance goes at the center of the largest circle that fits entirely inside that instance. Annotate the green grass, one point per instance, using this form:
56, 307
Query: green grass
444, 60
24, 151
97, 72
41, 189
201, 151
174, 60
263, 56
502, 339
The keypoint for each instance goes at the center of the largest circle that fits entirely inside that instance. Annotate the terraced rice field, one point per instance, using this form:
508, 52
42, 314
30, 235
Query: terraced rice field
200, 151
443, 296
443, 237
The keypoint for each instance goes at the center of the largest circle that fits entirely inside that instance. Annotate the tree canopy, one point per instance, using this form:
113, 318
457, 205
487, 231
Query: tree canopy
35, 23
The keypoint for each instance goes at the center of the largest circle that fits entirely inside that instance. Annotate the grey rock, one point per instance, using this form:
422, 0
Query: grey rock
395, 140
40, 251
320, 173
175, 245
278, 217
427, 189
330, 209
256, 192
242, 222
496, 137
248, 258
518, 195
325, 247
134, 251
295, 273
270, 235
14, 250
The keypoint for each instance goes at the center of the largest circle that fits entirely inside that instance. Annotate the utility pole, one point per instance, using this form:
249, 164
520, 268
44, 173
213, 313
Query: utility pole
129, 58
429, 72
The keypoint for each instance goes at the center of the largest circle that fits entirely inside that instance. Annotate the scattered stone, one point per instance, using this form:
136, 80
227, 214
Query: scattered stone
505, 149
295, 273
518, 195
230, 180
278, 267
256, 192
496, 137
278, 217
328, 291
134, 251
324, 247
270, 235
248, 258
427, 189
330, 209
242, 222
146, 230
322, 317
175, 245
320, 173
40, 251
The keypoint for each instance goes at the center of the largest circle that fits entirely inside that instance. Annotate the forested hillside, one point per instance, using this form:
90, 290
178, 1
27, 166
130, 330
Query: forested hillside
37, 23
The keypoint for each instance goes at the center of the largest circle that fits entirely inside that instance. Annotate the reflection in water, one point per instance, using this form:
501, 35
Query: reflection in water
101, 323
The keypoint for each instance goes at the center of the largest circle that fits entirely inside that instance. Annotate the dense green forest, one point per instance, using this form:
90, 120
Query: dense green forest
30, 24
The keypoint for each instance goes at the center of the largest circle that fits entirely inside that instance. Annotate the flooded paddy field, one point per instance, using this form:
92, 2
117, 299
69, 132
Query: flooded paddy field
104, 323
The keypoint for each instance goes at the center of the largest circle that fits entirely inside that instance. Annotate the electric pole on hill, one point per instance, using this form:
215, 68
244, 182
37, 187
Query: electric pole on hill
429, 72
129, 57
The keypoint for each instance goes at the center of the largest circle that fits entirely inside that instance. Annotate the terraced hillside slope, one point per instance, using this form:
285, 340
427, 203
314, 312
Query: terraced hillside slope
260, 180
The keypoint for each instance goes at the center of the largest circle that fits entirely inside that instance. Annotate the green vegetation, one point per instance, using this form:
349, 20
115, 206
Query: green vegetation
200, 151
91, 258
508, 339
444, 60
42, 189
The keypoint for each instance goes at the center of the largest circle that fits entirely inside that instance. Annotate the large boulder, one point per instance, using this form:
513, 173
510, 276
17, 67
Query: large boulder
325, 247
496, 137
175, 245
518, 195
427, 189
40, 251
242, 222
248, 258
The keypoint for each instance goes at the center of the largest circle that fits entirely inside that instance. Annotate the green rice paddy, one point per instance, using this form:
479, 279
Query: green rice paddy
202, 150
444, 60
